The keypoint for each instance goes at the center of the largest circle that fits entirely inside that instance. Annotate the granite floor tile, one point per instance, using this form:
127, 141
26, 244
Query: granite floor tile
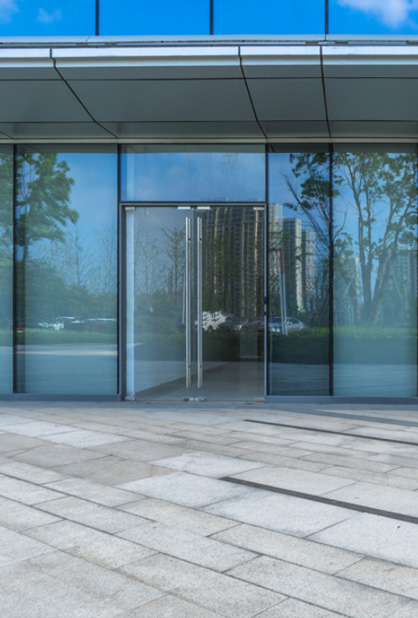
39, 429
207, 464
375, 496
19, 517
350, 462
185, 545
141, 450
214, 591
273, 459
91, 514
179, 516
27, 493
276, 449
279, 512
112, 470
292, 608
384, 575
331, 593
171, 607
410, 610
290, 548
16, 547
103, 549
384, 480
26, 472
294, 480
82, 438
53, 455
88, 490
12, 443
186, 489
377, 537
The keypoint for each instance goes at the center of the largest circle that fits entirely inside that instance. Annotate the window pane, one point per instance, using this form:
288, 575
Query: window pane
67, 271
6, 270
193, 173
136, 17
298, 274
356, 17
269, 17
47, 17
375, 288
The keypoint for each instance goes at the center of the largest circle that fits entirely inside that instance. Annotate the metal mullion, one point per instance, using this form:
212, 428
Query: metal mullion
14, 274
266, 280
331, 274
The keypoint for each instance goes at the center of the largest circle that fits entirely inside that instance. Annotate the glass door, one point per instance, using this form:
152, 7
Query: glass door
194, 302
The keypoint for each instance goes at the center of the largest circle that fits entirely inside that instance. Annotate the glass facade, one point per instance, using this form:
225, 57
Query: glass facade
138, 17
372, 17
47, 17
193, 174
6, 269
298, 273
268, 17
66, 266
375, 272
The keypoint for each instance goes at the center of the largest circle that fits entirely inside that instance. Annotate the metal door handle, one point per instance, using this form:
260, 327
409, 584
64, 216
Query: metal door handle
188, 308
199, 306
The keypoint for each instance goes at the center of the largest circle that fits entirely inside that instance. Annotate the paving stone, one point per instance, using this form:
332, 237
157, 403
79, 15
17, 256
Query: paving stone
186, 489
378, 537
410, 610
26, 472
292, 549
179, 516
141, 450
111, 470
372, 495
98, 547
58, 584
294, 480
171, 607
385, 480
53, 455
11, 443
291, 608
15, 547
83, 438
38, 429
209, 553
276, 449
215, 591
384, 575
207, 464
27, 493
11, 419
81, 488
91, 514
298, 463
18, 516
279, 512
350, 462
410, 473
332, 593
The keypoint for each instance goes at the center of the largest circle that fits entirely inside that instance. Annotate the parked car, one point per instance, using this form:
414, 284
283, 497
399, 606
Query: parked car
293, 325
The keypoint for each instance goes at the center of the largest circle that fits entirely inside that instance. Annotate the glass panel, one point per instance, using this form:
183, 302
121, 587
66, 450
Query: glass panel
195, 302
298, 271
375, 288
47, 17
373, 17
67, 271
6, 270
194, 174
269, 17
137, 17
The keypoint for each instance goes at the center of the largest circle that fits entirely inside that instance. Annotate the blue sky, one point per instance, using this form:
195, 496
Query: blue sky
47, 17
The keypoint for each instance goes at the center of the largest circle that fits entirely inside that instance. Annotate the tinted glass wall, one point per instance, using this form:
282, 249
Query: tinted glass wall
66, 267
193, 174
6, 269
298, 273
375, 272
47, 17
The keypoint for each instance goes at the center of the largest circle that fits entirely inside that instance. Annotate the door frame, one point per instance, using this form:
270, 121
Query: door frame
126, 206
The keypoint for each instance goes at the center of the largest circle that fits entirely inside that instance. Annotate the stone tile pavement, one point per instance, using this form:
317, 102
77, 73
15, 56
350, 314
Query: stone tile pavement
208, 510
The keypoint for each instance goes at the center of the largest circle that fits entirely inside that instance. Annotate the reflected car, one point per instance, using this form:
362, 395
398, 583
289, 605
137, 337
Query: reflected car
293, 325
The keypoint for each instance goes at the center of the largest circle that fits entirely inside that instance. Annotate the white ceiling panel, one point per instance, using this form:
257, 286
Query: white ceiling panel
165, 100
179, 130
281, 61
56, 130
39, 101
377, 99
149, 63
288, 99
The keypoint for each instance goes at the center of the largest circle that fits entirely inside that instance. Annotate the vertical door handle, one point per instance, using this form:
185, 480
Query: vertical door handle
199, 305
188, 303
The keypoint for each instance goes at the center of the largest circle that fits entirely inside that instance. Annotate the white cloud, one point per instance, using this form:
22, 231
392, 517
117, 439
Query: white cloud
47, 18
393, 13
7, 9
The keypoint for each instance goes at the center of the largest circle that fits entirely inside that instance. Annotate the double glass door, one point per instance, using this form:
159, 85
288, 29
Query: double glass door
194, 302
